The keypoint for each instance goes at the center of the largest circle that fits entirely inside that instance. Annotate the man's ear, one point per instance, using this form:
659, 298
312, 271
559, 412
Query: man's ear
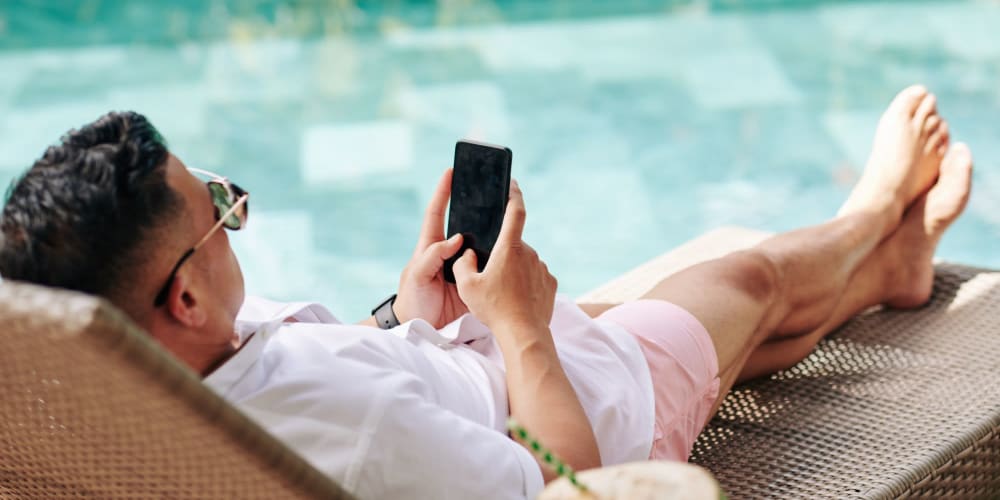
183, 304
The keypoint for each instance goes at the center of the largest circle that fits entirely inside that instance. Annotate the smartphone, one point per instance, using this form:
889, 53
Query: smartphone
480, 186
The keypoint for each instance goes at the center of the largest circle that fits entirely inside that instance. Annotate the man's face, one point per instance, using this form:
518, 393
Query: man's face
213, 271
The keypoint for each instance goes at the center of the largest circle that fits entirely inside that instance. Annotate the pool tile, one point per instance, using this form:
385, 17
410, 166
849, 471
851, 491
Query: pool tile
177, 110
853, 131
475, 110
500, 48
349, 285
276, 249
337, 152
374, 220
579, 223
257, 146
423, 67
257, 71
877, 26
739, 78
967, 30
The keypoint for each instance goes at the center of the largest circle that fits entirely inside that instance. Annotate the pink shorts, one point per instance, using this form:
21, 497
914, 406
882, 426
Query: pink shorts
684, 367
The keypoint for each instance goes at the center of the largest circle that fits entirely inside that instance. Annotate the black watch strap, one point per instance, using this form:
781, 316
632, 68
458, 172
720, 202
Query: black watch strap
384, 315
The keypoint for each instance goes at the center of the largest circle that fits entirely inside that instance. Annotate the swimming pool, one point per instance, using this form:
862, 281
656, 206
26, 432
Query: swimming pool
635, 125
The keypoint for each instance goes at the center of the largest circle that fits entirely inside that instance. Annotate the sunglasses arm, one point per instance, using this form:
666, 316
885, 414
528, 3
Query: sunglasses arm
222, 220
161, 297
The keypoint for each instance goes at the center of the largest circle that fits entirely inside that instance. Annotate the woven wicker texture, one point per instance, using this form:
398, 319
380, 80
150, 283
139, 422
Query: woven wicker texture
895, 404
91, 408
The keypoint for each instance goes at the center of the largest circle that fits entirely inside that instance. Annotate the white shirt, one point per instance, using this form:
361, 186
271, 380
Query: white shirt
415, 412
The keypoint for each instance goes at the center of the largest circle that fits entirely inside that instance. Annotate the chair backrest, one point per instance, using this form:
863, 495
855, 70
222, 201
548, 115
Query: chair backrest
91, 406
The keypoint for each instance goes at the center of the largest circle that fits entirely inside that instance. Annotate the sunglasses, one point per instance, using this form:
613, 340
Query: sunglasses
231, 209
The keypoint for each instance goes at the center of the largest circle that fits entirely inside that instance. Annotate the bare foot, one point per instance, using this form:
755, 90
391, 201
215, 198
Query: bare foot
909, 144
914, 242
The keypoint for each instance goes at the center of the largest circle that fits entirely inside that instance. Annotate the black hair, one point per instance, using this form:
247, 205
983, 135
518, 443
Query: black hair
79, 217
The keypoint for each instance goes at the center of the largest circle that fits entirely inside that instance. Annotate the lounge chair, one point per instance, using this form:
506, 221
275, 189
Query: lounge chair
894, 404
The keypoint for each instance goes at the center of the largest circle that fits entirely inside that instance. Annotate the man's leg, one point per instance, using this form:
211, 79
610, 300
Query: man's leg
899, 273
791, 284
781, 289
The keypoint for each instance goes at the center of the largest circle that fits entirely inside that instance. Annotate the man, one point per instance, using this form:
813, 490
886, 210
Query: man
420, 411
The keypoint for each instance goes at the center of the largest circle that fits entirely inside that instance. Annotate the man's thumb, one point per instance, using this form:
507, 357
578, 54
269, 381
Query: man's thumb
465, 267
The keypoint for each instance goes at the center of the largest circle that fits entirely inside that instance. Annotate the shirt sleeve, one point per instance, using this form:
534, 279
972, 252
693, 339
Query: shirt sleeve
421, 450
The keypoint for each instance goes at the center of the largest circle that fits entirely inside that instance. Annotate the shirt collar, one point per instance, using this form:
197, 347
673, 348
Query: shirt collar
256, 322
234, 369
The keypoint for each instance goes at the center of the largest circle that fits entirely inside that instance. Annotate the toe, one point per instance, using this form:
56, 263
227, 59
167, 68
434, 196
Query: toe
926, 109
951, 193
938, 138
907, 100
959, 158
932, 124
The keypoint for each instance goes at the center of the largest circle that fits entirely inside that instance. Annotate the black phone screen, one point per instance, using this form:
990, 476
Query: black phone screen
480, 187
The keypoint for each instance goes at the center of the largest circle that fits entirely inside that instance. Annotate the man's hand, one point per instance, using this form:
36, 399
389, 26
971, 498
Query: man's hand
515, 289
423, 292
514, 296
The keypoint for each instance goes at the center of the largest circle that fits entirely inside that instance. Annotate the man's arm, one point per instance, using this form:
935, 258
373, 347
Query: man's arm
514, 296
542, 398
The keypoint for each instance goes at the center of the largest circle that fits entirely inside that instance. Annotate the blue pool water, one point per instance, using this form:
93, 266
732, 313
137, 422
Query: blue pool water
635, 125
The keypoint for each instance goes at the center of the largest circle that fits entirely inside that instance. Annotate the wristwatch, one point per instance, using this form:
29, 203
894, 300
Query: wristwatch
384, 315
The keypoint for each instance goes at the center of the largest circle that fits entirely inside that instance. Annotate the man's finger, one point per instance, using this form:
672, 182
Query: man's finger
514, 216
430, 262
433, 227
530, 249
465, 267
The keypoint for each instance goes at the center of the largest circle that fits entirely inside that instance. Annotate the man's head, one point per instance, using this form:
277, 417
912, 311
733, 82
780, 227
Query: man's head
109, 211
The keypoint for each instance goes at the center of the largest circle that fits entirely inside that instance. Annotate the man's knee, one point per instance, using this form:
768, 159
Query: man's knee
754, 273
